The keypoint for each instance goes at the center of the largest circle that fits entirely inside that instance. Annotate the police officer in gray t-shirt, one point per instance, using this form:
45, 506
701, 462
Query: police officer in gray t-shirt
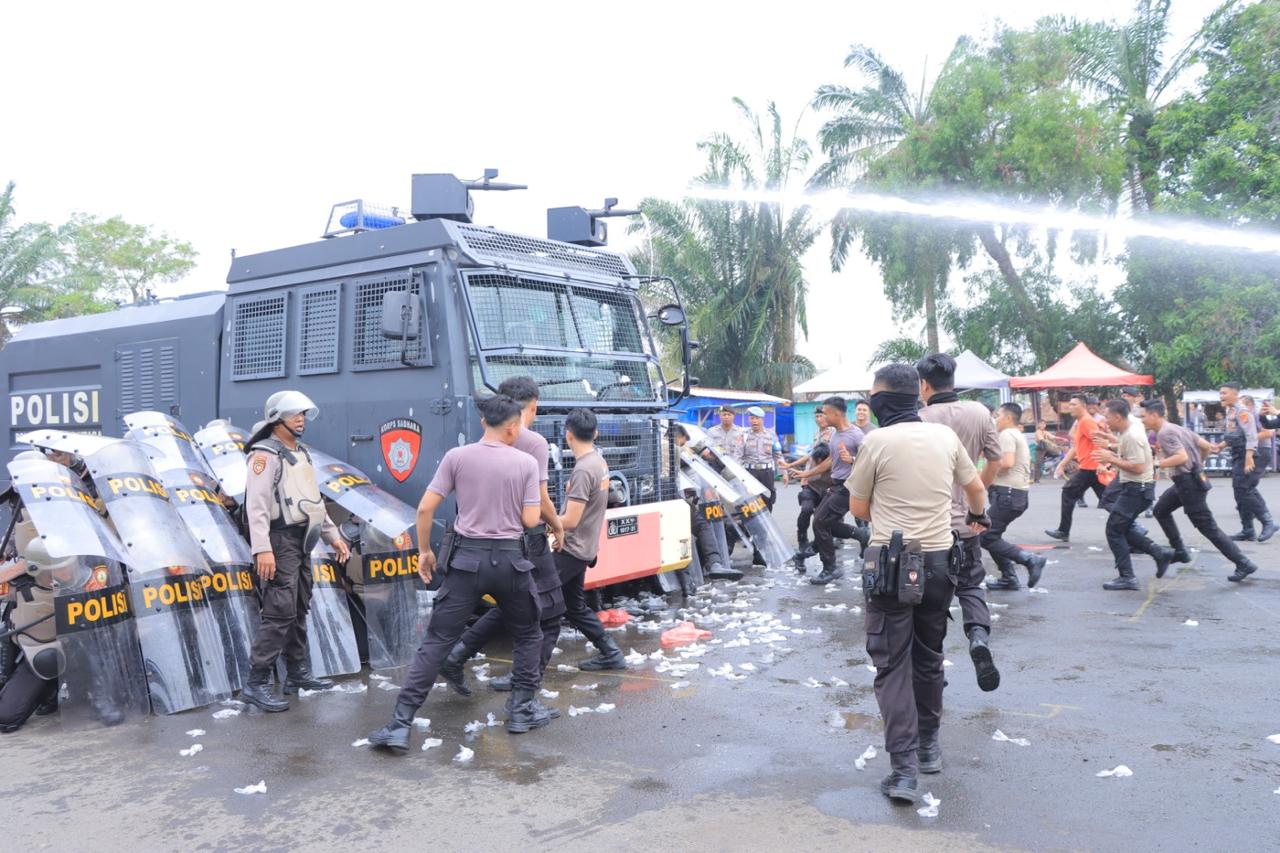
497, 493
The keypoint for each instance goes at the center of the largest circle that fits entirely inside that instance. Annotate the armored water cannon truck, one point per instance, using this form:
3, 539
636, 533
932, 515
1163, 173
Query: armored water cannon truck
394, 325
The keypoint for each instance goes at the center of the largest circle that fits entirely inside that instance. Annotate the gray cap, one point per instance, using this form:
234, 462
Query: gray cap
756, 412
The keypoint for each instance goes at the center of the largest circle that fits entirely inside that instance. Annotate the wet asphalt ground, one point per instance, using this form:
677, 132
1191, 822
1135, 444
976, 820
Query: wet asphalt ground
691, 759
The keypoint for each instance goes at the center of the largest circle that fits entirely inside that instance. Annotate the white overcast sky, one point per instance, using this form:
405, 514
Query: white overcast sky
238, 125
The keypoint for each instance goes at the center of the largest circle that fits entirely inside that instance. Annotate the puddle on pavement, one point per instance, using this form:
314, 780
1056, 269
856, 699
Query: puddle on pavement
857, 722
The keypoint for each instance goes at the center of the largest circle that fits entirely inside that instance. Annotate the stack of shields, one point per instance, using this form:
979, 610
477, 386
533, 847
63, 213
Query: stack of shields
387, 588
74, 552
194, 492
182, 642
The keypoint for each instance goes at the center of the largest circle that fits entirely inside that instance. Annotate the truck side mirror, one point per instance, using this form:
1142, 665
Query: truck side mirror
670, 315
400, 315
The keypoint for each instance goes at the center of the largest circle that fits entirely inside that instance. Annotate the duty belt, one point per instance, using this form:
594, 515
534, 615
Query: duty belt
278, 524
460, 541
760, 467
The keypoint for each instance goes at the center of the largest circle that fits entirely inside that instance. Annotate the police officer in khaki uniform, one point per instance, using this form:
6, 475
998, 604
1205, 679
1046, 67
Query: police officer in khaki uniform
483, 553
1009, 500
1242, 437
726, 436
762, 453
286, 516
972, 424
902, 482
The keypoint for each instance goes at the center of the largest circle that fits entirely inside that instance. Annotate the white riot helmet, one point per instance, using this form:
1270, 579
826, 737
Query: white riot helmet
283, 404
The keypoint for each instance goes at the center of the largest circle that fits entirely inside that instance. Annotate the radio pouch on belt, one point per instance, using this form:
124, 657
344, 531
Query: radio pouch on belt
894, 571
911, 575
446, 550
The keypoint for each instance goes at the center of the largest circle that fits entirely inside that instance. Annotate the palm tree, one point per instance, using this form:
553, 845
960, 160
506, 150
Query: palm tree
1126, 65
26, 255
740, 263
915, 257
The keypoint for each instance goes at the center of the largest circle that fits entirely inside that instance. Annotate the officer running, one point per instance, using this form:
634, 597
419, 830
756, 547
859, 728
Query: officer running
524, 390
1136, 492
286, 515
1242, 437
1009, 499
1083, 433
811, 491
972, 424
903, 482
1183, 453
828, 518
485, 553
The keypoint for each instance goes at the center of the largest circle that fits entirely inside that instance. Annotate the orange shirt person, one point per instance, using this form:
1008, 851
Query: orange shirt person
1086, 438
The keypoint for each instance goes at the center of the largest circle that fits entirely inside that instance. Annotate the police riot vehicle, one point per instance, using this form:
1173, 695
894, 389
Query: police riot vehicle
394, 325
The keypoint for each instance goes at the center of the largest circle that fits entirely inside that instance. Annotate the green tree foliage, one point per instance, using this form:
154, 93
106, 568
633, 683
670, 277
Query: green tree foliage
122, 260
739, 264
915, 256
31, 279
1198, 316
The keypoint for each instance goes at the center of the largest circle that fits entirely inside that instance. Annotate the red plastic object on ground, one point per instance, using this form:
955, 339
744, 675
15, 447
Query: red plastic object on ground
682, 635
613, 618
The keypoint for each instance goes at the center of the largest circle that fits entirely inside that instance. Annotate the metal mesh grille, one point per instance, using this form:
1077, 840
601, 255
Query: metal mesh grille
636, 448
499, 244
318, 332
514, 312
370, 348
258, 331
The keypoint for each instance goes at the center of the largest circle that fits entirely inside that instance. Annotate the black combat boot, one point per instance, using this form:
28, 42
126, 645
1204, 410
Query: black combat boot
553, 713
1269, 528
1243, 570
828, 574
610, 657
1180, 553
524, 713
1007, 581
983, 664
299, 677
257, 691
451, 670
395, 734
1163, 557
1245, 535
900, 784
930, 753
501, 684
721, 572
1060, 535
1035, 567
1123, 582
50, 703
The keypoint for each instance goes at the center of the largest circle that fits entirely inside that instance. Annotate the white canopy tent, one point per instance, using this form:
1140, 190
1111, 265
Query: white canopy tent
1258, 394
973, 372
842, 380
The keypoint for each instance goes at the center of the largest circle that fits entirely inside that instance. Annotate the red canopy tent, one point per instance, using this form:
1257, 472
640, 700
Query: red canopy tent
1080, 368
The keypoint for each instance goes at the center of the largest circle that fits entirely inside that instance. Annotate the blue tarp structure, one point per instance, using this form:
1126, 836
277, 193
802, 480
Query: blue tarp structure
702, 405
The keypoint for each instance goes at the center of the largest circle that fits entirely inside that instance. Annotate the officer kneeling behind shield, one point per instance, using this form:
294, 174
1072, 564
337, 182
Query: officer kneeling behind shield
498, 496
902, 482
286, 515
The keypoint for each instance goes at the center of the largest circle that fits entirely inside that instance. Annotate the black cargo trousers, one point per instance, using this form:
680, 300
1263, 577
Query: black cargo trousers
1006, 505
904, 642
829, 525
573, 574
286, 598
550, 602
479, 567
1191, 494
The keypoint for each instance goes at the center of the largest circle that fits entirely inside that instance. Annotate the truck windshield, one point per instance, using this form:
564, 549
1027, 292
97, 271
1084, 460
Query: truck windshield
579, 341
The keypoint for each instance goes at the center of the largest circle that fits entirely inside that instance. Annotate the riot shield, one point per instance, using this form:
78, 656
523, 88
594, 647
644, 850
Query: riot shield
331, 638
388, 589
167, 441
103, 681
64, 511
222, 446
743, 499
76, 443
182, 645
230, 588
351, 489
